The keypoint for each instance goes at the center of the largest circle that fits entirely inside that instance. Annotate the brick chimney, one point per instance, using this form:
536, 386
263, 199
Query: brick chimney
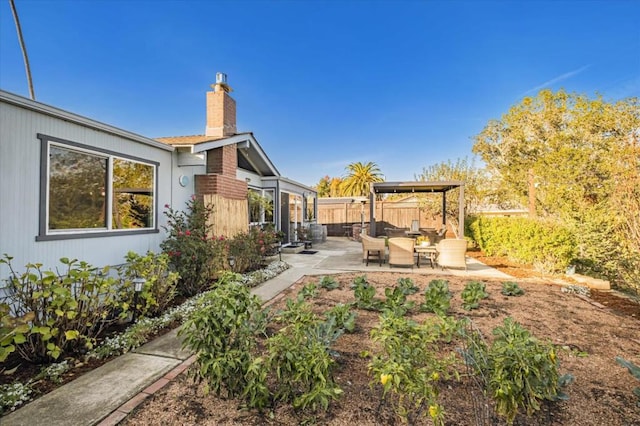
221, 109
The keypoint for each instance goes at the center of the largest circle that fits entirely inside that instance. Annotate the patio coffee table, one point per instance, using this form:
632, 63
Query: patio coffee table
429, 252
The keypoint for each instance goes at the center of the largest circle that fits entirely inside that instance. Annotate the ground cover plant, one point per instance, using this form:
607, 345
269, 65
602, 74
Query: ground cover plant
377, 366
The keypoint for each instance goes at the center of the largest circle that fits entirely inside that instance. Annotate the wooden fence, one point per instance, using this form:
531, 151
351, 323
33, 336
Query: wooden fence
229, 217
339, 216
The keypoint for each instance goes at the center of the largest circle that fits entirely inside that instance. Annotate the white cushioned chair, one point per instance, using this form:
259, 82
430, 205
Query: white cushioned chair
401, 251
452, 253
373, 249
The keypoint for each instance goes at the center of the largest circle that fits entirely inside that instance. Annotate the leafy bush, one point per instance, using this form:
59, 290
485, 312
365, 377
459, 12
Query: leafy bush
70, 309
520, 371
547, 245
160, 285
409, 366
194, 254
12, 330
221, 332
472, 294
437, 297
299, 356
510, 288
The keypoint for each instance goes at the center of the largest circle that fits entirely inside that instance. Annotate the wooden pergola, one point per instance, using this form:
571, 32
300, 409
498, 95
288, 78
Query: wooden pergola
418, 187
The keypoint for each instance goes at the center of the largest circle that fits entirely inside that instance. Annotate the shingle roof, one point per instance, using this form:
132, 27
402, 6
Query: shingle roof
194, 139
187, 140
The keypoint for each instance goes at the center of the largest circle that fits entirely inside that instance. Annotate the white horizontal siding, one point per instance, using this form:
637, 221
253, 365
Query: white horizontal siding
20, 189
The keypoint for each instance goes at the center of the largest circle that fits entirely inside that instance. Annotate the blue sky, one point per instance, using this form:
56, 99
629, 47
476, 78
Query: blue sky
405, 84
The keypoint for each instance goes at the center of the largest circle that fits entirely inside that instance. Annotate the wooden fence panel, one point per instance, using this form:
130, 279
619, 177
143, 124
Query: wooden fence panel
229, 217
337, 216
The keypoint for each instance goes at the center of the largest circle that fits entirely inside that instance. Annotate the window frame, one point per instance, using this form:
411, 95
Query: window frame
262, 192
45, 234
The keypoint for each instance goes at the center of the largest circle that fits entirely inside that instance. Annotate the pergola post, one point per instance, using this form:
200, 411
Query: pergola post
461, 212
372, 211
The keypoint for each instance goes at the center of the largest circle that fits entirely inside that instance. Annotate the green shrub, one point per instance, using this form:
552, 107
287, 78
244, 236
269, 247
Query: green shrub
409, 366
437, 297
159, 288
70, 309
547, 245
13, 330
194, 254
299, 357
222, 333
520, 371
473, 293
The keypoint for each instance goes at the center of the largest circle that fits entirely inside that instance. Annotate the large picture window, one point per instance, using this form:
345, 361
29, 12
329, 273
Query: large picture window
88, 191
260, 206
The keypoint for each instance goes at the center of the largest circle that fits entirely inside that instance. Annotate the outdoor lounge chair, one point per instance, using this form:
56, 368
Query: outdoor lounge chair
373, 248
395, 232
401, 251
452, 253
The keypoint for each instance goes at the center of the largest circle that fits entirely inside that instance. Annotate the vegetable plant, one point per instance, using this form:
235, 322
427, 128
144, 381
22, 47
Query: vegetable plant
520, 371
222, 334
396, 301
510, 288
407, 286
473, 292
409, 366
329, 283
437, 297
299, 356
308, 291
343, 315
365, 294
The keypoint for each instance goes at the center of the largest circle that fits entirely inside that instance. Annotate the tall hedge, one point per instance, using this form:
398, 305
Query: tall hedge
546, 245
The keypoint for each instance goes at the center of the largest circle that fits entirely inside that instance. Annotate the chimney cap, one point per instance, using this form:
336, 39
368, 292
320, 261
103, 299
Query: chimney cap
221, 83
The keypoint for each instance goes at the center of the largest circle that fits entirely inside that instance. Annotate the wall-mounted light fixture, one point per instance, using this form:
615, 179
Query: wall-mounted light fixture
183, 180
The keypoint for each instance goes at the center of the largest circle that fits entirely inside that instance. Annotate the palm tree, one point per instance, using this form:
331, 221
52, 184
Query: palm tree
358, 178
24, 49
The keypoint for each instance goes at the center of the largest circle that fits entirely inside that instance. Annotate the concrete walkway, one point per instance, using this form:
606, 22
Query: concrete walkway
107, 394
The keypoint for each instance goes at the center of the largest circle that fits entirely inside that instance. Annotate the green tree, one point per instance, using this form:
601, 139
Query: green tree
359, 176
335, 187
583, 155
477, 188
324, 186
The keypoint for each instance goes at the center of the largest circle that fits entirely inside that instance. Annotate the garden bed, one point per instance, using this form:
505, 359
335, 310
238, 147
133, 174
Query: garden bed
587, 338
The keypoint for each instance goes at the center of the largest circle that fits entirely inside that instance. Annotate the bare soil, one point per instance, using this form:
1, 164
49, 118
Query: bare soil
588, 338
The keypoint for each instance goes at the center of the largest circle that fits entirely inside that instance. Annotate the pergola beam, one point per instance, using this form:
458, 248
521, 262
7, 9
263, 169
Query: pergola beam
421, 187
